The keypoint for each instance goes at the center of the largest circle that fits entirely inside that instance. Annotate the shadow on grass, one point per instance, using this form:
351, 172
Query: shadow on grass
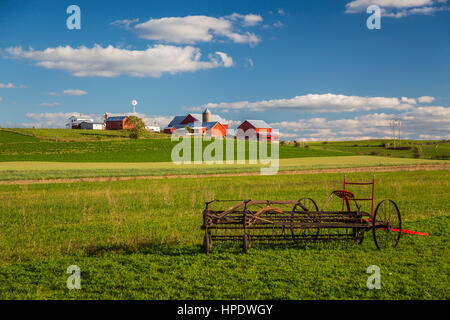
144, 247
173, 249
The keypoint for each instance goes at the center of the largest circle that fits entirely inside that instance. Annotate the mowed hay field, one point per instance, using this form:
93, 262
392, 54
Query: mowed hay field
141, 240
37, 170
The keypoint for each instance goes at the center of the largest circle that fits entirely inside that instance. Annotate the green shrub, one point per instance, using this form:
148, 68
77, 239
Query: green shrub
417, 151
139, 127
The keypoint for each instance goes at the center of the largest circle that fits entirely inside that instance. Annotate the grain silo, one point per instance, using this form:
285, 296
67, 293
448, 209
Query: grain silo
206, 116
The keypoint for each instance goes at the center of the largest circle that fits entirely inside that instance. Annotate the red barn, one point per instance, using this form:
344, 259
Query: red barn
118, 123
179, 122
215, 129
262, 129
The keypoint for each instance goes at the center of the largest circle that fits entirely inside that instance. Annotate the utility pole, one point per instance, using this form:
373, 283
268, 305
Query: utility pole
393, 130
399, 123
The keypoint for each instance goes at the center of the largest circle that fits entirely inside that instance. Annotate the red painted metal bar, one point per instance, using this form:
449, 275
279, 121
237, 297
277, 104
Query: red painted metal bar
417, 233
343, 199
373, 193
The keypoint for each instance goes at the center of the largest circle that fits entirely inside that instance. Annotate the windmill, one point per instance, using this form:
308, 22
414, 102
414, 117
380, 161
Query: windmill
134, 103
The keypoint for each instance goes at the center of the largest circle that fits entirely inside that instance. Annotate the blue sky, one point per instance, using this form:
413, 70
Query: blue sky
310, 68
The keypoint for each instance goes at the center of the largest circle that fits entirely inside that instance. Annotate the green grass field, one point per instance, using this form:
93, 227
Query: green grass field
64, 135
430, 149
113, 150
35, 170
141, 240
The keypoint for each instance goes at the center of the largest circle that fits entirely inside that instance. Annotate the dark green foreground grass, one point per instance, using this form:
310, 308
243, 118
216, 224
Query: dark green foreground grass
141, 240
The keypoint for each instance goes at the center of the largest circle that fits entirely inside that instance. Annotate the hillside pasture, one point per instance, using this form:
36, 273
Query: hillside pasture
141, 240
124, 150
431, 149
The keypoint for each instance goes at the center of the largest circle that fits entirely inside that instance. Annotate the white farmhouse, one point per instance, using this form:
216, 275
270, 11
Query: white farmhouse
75, 122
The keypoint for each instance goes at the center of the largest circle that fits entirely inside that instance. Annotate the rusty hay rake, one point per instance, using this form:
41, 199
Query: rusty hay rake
281, 221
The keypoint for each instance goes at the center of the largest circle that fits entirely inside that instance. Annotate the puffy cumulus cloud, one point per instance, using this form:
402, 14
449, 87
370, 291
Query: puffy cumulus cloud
408, 100
317, 103
361, 5
425, 99
193, 29
418, 123
112, 62
74, 92
10, 86
247, 20
397, 8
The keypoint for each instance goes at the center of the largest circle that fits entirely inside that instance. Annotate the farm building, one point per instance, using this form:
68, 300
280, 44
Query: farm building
262, 129
118, 123
92, 125
75, 122
152, 128
206, 127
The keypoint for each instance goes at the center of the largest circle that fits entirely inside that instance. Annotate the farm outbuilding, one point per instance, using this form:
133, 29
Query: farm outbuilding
92, 125
262, 129
152, 128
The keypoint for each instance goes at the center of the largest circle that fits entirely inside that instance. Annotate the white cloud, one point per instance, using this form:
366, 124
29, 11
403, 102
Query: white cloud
397, 8
10, 86
126, 22
69, 92
278, 24
316, 103
112, 62
408, 100
281, 12
226, 60
74, 92
193, 29
54, 119
248, 20
425, 99
361, 5
49, 104
419, 123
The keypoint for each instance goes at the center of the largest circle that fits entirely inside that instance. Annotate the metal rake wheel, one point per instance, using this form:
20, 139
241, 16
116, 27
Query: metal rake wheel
387, 225
303, 205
